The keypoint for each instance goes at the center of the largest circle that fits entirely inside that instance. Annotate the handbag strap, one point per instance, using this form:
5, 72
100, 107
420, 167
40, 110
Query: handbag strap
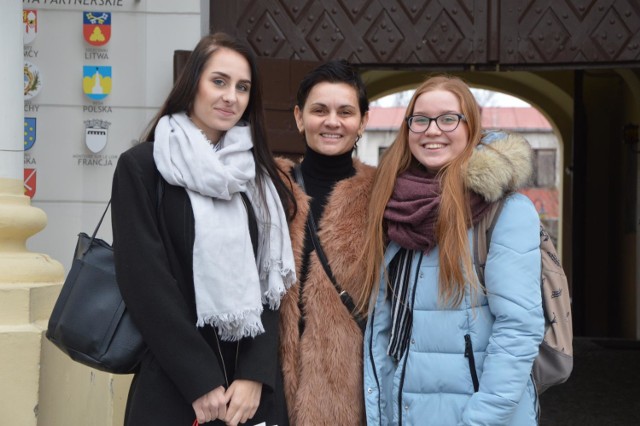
95, 231
159, 192
313, 234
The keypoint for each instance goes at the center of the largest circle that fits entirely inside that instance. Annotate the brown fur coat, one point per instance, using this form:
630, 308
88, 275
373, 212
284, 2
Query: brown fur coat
323, 368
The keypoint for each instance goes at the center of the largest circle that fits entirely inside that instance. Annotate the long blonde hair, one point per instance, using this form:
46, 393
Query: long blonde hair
454, 216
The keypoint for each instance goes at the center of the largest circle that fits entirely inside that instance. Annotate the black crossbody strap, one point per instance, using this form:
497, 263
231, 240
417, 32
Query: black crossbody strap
313, 234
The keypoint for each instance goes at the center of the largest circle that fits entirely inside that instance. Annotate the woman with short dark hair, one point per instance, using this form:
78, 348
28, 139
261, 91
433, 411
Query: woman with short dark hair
321, 340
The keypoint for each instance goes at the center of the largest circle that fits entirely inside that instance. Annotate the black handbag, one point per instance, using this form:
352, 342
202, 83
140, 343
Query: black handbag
89, 321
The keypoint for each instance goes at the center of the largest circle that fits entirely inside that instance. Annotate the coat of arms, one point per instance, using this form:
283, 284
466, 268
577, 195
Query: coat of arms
96, 27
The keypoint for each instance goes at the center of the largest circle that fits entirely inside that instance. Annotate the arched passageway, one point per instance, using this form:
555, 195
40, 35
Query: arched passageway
552, 100
578, 63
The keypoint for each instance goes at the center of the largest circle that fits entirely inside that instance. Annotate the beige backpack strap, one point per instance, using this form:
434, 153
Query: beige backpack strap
482, 238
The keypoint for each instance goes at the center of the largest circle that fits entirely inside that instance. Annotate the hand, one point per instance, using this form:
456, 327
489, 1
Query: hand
244, 399
210, 406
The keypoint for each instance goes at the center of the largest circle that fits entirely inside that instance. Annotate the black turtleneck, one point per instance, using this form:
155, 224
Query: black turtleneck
320, 173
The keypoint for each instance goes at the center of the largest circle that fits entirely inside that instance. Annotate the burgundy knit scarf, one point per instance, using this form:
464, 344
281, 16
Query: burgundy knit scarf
412, 212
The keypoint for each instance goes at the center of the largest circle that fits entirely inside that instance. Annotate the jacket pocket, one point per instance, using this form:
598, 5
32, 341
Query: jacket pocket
468, 353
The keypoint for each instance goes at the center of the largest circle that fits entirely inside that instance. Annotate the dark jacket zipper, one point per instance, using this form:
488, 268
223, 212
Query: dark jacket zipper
400, 388
406, 355
237, 354
224, 368
468, 352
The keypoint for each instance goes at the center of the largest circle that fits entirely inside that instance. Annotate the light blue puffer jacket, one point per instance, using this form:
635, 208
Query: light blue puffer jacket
433, 383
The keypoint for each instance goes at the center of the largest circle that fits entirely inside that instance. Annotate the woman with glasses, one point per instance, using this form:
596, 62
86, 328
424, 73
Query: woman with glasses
441, 349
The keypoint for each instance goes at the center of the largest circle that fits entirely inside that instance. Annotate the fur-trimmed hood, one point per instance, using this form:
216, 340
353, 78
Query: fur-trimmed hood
502, 163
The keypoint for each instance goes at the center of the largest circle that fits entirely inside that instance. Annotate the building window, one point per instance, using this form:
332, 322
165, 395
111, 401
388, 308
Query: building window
381, 150
545, 168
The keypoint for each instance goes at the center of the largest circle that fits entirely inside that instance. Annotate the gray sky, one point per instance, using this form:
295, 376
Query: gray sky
484, 97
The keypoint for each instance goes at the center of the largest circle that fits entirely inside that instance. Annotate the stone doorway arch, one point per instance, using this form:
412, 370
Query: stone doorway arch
578, 61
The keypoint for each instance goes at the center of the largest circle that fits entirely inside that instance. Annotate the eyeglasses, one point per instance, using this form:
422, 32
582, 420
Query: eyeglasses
445, 122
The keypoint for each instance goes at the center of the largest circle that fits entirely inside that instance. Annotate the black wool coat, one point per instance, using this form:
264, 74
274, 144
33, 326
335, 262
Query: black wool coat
153, 250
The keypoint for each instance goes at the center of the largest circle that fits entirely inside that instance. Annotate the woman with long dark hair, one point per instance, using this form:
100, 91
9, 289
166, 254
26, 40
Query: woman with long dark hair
202, 249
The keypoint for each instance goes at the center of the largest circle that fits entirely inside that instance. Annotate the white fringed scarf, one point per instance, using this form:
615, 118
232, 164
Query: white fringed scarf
229, 288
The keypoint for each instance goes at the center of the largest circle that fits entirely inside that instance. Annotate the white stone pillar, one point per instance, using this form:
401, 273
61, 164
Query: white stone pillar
11, 97
29, 282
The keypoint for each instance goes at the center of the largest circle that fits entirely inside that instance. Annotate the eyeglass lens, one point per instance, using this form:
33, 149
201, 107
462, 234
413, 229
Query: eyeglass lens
445, 122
